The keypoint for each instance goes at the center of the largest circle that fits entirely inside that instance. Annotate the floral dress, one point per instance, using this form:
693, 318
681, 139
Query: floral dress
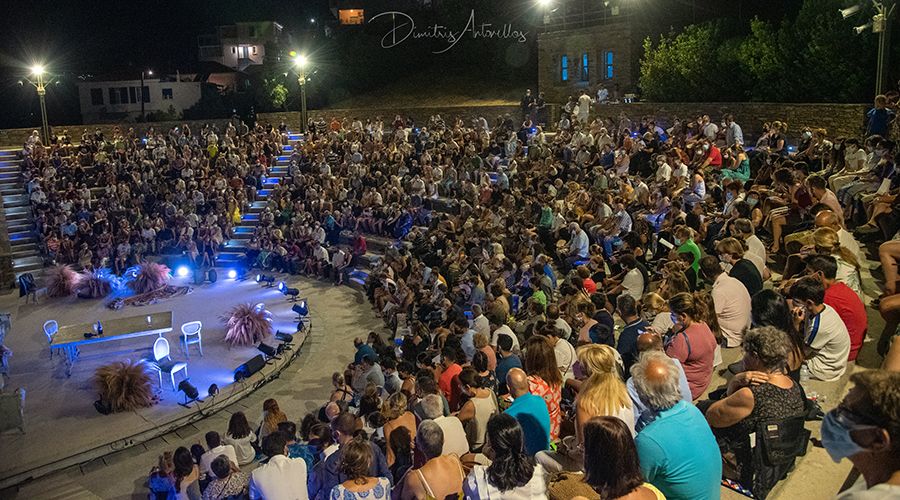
381, 491
552, 396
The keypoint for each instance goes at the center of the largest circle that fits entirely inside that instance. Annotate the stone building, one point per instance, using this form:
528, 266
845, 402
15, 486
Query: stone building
584, 44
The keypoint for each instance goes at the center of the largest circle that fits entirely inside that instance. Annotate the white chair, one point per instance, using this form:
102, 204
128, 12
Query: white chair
50, 329
163, 363
190, 334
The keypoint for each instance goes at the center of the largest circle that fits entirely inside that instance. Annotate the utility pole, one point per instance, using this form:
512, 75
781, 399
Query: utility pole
881, 24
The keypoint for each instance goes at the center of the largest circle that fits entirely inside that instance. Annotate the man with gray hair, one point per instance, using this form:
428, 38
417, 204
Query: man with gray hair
440, 477
453, 433
677, 450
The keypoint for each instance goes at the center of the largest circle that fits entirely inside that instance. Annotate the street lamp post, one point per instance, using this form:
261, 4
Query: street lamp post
881, 24
150, 73
301, 64
45, 128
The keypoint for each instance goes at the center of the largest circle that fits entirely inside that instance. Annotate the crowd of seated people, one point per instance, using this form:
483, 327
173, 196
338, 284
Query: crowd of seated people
514, 256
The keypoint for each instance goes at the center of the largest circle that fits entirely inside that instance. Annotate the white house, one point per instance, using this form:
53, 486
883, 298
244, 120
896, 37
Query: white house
105, 99
239, 45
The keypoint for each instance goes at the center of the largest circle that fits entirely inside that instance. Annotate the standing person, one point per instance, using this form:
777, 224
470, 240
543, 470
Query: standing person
356, 462
513, 474
733, 133
677, 450
864, 429
879, 117
584, 108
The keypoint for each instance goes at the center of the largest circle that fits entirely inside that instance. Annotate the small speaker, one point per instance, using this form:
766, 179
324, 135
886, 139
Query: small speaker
213, 275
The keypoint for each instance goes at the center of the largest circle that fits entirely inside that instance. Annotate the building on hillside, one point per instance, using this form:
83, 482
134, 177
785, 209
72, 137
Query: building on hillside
224, 78
117, 97
239, 45
585, 43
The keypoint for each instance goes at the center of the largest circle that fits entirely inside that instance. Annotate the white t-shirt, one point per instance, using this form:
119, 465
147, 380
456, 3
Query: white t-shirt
827, 334
282, 478
732, 302
565, 358
853, 160
633, 282
207, 458
565, 330
878, 492
580, 243
454, 436
756, 253
505, 330
663, 173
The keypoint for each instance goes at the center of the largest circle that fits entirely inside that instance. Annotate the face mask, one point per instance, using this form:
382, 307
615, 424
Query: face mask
870, 149
768, 161
620, 213
723, 259
728, 195
807, 134
677, 241
674, 318
836, 436
837, 146
879, 153
723, 124
751, 201
851, 149
706, 147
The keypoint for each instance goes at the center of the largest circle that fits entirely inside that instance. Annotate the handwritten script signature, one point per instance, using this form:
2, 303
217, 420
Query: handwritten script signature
404, 27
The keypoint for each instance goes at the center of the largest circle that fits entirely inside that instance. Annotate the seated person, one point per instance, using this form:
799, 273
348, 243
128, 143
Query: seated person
760, 393
827, 338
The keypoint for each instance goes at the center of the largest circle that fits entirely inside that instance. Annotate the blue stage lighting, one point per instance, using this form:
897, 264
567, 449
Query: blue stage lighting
232, 274
183, 271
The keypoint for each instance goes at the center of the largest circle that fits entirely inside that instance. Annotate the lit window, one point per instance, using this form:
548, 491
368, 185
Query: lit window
584, 67
565, 69
352, 16
608, 57
167, 94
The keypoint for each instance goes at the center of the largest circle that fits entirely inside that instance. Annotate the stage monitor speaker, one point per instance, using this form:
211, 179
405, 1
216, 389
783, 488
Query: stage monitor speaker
250, 367
199, 276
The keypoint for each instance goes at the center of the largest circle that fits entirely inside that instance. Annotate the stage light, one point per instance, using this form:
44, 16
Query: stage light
300, 309
213, 390
281, 286
183, 271
213, 276
269, 351
291, 292
190, 392
232, 274
849, 11
284, 337
268, 280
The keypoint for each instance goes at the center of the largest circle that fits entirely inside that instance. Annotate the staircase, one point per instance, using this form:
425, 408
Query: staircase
26, 254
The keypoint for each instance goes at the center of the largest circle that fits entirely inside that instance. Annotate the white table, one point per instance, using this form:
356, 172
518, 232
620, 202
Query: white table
69, 338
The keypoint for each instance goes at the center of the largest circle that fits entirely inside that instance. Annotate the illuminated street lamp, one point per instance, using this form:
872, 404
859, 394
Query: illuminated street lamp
149, 73
881, 24
302, 73
38, 72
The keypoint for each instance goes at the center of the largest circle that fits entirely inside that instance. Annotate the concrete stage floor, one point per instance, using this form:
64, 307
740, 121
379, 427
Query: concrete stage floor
339, 314
60, 420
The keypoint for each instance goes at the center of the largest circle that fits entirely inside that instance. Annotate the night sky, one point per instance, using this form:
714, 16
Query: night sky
97, 36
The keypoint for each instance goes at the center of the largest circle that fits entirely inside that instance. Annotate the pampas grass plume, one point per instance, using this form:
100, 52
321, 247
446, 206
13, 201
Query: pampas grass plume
61, 281
247, 324
126, 385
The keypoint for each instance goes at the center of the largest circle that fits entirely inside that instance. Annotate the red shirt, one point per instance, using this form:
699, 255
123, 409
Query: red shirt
446, 381
844, 300
695, 348
715, 156
590, 286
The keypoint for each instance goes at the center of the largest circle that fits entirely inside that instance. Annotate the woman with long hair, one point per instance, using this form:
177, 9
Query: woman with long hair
693, 343
827, 242
342, 391
513, 473
241, 436
611, 464
187, 475
603, 393
356, 461
162, 478
769, 308
544, 379
397, 416
271, 417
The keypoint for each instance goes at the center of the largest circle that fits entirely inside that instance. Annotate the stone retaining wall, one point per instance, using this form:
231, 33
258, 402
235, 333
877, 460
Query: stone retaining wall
15, 137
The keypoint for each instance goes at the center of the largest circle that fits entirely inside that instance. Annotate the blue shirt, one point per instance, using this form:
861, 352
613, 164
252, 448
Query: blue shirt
642, 414
531, 412
627, 345
299, 450
331, 475
679, 455
878, 121
361, 351
504, 365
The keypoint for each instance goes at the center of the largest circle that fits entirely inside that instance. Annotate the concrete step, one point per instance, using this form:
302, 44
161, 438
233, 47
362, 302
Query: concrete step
357, 279
262, 193
295, 137
26, 251
250, 218
283, 158
12, 189
279, 170
21, 235
25, 261
10, 162
18, 225
19, 215
16, 201
229, 258
287, 148
10, 176
243, 230
4, 167
271, 181
234, 245
258, 206
18, 210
